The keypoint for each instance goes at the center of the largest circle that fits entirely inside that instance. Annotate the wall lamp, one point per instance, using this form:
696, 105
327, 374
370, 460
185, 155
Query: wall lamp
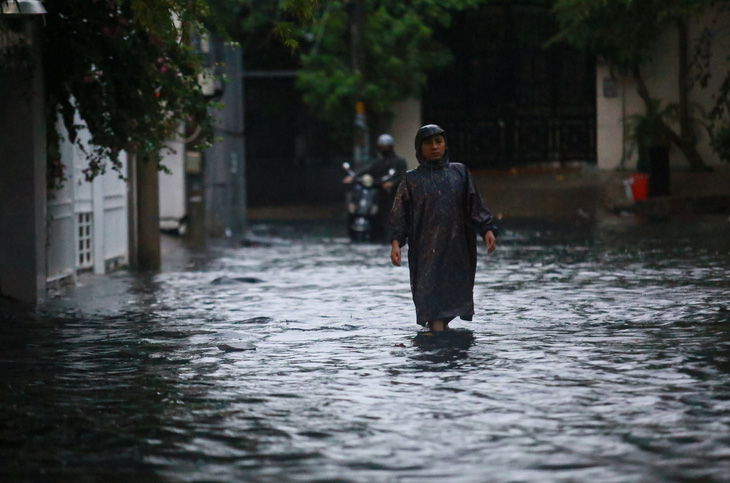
21, 7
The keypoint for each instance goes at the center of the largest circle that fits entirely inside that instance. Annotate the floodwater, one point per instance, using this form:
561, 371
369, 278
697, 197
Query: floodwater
601, 353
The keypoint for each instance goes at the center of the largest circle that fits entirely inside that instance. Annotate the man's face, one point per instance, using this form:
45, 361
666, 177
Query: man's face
433, 147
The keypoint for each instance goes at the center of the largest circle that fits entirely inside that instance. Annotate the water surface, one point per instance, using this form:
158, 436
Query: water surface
600, 353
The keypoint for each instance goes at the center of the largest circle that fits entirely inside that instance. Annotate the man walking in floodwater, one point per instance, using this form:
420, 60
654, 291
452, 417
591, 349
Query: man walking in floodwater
439, 211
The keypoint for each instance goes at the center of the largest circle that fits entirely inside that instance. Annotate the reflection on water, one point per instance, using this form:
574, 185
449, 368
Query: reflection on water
597, 353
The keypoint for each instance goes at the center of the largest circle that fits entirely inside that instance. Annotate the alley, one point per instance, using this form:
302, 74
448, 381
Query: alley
600, 353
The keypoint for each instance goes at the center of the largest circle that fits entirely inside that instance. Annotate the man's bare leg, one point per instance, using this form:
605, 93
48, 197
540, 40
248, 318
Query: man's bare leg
438, 325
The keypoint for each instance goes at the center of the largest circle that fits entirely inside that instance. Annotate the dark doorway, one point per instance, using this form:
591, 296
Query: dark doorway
507, 100
289, 157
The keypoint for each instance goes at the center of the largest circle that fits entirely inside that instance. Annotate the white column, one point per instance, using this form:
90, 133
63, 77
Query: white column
406, 121
97, 206
609, 118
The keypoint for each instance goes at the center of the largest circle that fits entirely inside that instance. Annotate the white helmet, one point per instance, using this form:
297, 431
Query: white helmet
385, 140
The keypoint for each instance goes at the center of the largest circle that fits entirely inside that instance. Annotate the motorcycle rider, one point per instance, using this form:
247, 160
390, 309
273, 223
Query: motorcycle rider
386, 160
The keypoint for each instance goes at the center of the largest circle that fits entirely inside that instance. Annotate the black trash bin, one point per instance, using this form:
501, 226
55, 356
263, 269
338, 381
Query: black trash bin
658, 171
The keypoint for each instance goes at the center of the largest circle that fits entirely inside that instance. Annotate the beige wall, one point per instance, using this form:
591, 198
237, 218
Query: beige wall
609, 112
405, 124
661, 79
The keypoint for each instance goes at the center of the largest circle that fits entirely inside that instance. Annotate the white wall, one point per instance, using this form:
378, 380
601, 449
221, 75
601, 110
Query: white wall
61, 254
172, 186
102, 201
110, 202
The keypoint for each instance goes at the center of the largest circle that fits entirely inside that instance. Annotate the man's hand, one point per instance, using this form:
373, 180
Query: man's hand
347, 179
395, 253
387, 185
490, 240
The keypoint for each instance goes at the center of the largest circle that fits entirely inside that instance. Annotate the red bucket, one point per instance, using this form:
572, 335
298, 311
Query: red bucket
640, 186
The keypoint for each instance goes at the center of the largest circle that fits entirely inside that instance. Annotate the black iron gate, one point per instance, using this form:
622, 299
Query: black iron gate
507, 100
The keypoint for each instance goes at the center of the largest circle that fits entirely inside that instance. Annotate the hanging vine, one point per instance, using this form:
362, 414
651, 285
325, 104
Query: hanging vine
127, 69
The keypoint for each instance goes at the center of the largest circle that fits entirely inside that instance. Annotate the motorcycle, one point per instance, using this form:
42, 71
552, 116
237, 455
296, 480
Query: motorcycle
363, 202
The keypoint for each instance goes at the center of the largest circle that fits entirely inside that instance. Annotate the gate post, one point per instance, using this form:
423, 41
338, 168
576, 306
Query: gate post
23, 180
148, 218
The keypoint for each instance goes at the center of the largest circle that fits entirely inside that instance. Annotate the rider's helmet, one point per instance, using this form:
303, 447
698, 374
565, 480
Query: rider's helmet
385, 140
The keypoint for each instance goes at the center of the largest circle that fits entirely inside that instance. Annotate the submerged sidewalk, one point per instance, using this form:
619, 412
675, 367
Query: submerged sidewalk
568, 194
559, 193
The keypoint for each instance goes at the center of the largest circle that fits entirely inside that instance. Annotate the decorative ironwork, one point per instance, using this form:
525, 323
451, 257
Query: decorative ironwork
508, 100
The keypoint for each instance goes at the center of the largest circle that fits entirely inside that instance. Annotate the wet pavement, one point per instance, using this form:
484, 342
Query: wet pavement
600, 352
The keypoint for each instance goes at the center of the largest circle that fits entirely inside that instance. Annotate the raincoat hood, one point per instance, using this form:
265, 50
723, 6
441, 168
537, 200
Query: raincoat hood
427, 131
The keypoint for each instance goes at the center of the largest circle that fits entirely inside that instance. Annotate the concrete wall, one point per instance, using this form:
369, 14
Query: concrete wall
23, 185
661, 78
225, 161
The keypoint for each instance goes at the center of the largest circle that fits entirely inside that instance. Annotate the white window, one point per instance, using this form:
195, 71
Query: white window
85, 253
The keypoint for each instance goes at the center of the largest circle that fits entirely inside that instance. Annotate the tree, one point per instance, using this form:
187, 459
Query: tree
719, 114
625, 32
127, 69
397, 52
391, 62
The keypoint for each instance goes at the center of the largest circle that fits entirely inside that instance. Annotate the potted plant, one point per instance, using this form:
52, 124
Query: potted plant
648, 133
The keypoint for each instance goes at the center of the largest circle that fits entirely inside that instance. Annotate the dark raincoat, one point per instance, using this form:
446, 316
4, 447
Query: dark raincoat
438, 210
384, 163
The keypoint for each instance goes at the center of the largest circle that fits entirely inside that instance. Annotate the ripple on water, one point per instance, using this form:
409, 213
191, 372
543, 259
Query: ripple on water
597, 356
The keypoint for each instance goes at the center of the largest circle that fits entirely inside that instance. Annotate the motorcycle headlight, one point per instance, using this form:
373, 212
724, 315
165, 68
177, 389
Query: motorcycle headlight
367, 180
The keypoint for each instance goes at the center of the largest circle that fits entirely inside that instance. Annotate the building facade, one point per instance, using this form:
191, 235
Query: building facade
617, 97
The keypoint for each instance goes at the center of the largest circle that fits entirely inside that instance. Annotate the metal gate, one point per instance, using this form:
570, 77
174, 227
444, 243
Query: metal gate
507, 100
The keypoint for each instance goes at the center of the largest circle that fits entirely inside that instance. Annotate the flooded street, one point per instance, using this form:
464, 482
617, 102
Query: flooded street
601, 353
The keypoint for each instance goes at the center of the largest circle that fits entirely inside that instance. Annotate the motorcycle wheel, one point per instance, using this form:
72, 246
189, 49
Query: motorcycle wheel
352, 234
